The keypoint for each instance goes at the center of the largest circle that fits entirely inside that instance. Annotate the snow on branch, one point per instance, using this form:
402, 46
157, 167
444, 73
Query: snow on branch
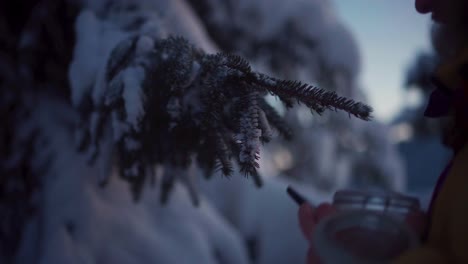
168, 102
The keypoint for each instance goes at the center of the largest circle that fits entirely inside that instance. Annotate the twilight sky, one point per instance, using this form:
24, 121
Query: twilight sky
389, 33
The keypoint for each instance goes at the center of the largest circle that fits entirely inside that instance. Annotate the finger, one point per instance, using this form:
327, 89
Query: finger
322, 211
306, 220
312, 257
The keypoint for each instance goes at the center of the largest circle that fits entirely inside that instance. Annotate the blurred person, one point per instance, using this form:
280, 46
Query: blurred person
444, 227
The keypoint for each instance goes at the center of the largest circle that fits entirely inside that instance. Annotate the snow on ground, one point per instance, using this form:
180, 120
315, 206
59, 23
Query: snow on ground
266, 215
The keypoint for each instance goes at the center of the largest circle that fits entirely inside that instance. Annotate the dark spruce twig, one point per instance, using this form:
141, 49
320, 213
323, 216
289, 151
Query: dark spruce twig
192, 104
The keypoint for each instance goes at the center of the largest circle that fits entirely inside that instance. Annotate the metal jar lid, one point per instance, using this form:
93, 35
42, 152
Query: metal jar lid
384, 202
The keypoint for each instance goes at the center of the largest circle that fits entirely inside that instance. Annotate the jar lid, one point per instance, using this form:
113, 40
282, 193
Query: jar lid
386, 202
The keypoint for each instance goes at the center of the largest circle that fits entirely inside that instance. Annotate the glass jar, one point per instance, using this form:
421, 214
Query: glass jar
367, 228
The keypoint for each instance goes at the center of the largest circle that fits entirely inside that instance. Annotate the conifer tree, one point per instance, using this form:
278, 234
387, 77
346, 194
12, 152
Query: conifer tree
165, 101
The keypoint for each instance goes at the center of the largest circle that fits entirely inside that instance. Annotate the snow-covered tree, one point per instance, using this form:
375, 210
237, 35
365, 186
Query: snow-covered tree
96, 94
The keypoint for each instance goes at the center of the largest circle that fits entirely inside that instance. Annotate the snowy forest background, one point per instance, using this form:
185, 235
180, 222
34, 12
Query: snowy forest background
68, 194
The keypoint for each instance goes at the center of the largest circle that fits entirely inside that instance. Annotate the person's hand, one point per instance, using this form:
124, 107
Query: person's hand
309, 217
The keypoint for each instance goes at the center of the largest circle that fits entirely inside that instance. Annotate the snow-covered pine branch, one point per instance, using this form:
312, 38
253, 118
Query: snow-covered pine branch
168, 101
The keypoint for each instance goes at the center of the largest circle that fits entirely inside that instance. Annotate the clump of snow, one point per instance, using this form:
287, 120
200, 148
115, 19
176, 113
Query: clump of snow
95, 39
82, 70
144, 45
250, 146
250, 134
132, 79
